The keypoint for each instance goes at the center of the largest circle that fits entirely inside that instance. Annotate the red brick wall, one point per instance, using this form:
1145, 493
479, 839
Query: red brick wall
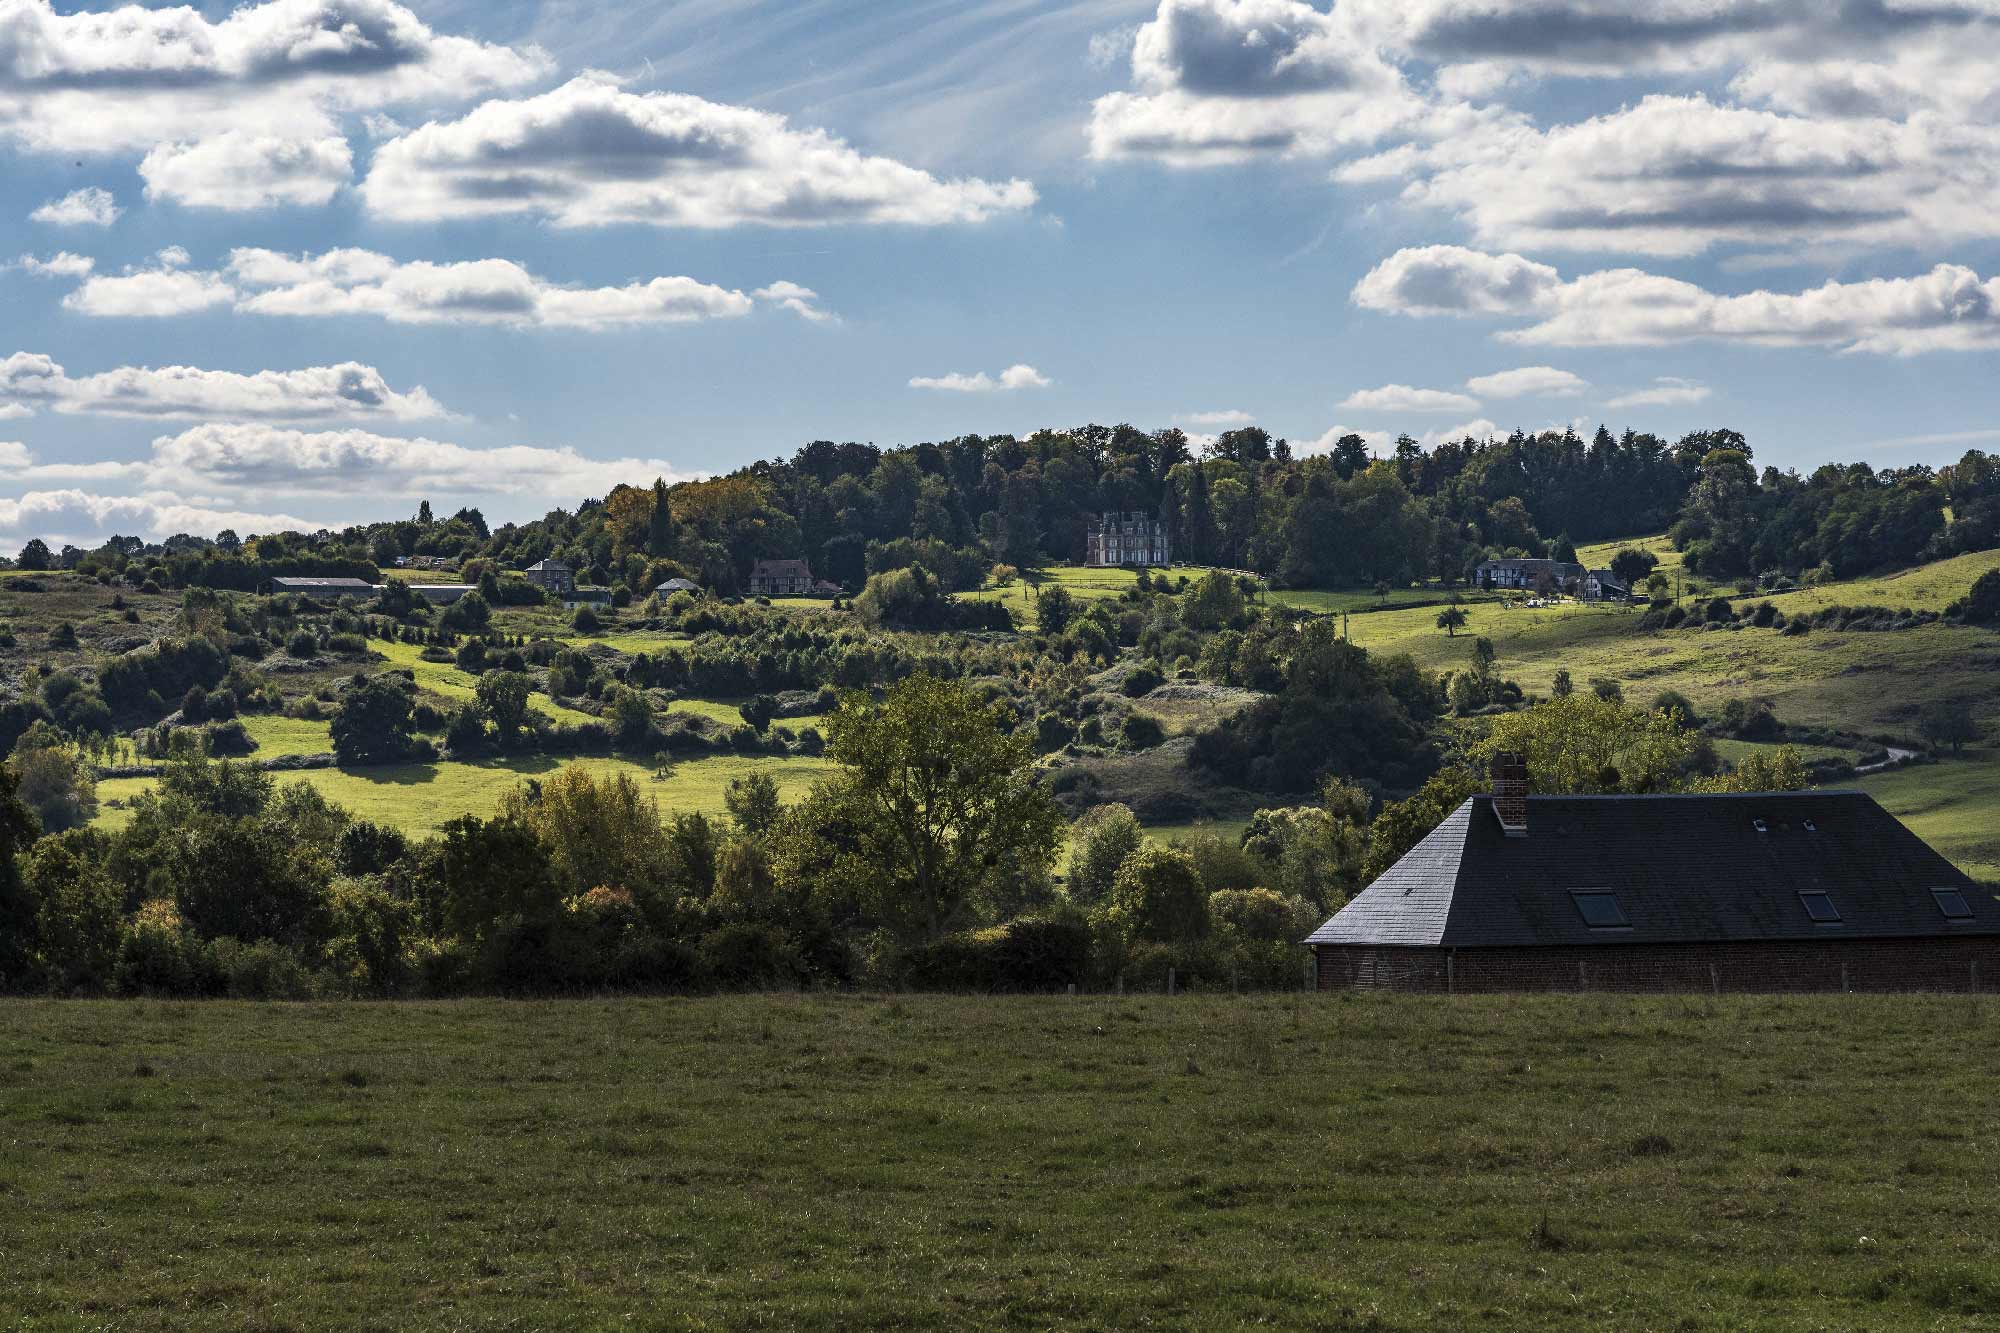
1802, 965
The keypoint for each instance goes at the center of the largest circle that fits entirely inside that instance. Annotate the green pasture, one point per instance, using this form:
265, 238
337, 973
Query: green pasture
1954, 805
787, 1161
417, 798
448, 682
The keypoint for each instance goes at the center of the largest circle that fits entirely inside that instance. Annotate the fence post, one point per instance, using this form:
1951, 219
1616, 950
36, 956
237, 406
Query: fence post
1234, 989
1170, 981
1121, 981
1582, 975
1714, 980
1072, 990
1975, 976
1843, 976
1450, 975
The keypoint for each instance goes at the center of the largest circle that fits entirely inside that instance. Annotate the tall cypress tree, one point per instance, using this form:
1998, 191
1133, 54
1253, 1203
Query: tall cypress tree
660, 528
1200, 517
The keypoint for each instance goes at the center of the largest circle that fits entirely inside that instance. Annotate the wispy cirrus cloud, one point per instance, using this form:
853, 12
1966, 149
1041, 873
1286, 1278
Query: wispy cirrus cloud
1665, 391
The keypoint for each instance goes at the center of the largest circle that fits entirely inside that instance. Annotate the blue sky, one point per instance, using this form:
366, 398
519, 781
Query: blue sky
507, 255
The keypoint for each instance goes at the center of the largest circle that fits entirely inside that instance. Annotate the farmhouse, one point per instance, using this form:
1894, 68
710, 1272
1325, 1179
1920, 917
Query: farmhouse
781, 578
550, 576
1778, 891
324, 588
1134, 538
1528, 574
1601, 585
672, 586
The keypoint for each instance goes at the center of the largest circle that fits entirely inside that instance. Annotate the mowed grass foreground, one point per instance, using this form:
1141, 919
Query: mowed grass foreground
802, 1162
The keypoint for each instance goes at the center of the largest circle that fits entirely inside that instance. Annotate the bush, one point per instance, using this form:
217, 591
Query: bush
1142, 680
747, 955
302, 644
1982, 604
585, 621
1028, 955
1053, 731
1143, 731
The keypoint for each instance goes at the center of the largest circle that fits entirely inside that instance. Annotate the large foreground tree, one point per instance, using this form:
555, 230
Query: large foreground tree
932, 809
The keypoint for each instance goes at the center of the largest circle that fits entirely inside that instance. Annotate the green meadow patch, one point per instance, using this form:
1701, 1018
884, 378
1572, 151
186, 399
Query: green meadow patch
820, 1162
418, 798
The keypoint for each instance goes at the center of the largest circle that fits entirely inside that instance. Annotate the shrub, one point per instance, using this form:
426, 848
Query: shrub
302, 644
585, 621
1027, 955
1143, 731
747, 955
1142, 680
1982, 604
1260, 914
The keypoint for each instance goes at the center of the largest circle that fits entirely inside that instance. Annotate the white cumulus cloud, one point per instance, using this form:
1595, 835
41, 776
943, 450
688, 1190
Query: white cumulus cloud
1528, 382
124, 79
88, 207
1403, 398
259, 459
62, 264
86, 518
330, 393
1018, 376
1223, 80
590, 154
154, 293
238, 170
1949, 308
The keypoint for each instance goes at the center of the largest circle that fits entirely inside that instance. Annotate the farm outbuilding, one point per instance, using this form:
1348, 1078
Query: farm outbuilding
1767, 891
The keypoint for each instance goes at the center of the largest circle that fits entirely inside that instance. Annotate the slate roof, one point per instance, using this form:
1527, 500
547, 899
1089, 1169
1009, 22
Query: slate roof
1685, 869
548, 566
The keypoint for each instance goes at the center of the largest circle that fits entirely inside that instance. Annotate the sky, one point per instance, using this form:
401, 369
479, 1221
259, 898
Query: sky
301, 263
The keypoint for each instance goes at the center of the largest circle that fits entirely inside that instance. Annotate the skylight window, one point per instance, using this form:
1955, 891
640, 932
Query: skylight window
1820, 908
1601, 911
1952, 903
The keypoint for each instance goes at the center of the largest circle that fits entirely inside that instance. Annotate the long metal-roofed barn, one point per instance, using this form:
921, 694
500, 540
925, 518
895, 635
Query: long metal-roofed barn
1768, 891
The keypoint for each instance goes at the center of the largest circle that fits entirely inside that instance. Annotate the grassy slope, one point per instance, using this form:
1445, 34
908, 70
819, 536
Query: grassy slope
789, 1162
418, 797
1876, 684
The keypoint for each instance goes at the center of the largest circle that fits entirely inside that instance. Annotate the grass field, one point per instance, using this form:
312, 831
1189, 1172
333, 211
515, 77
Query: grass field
417, 798
1952, 805
448, 682
1294, 1161
278, 736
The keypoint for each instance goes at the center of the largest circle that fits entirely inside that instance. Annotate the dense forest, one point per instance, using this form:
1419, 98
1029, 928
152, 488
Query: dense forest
1244, 501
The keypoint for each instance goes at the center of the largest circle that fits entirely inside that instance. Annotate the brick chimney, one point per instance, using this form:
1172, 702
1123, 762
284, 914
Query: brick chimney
1510, 793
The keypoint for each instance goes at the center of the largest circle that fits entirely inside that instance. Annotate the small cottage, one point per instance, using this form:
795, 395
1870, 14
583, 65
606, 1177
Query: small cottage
781, 578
